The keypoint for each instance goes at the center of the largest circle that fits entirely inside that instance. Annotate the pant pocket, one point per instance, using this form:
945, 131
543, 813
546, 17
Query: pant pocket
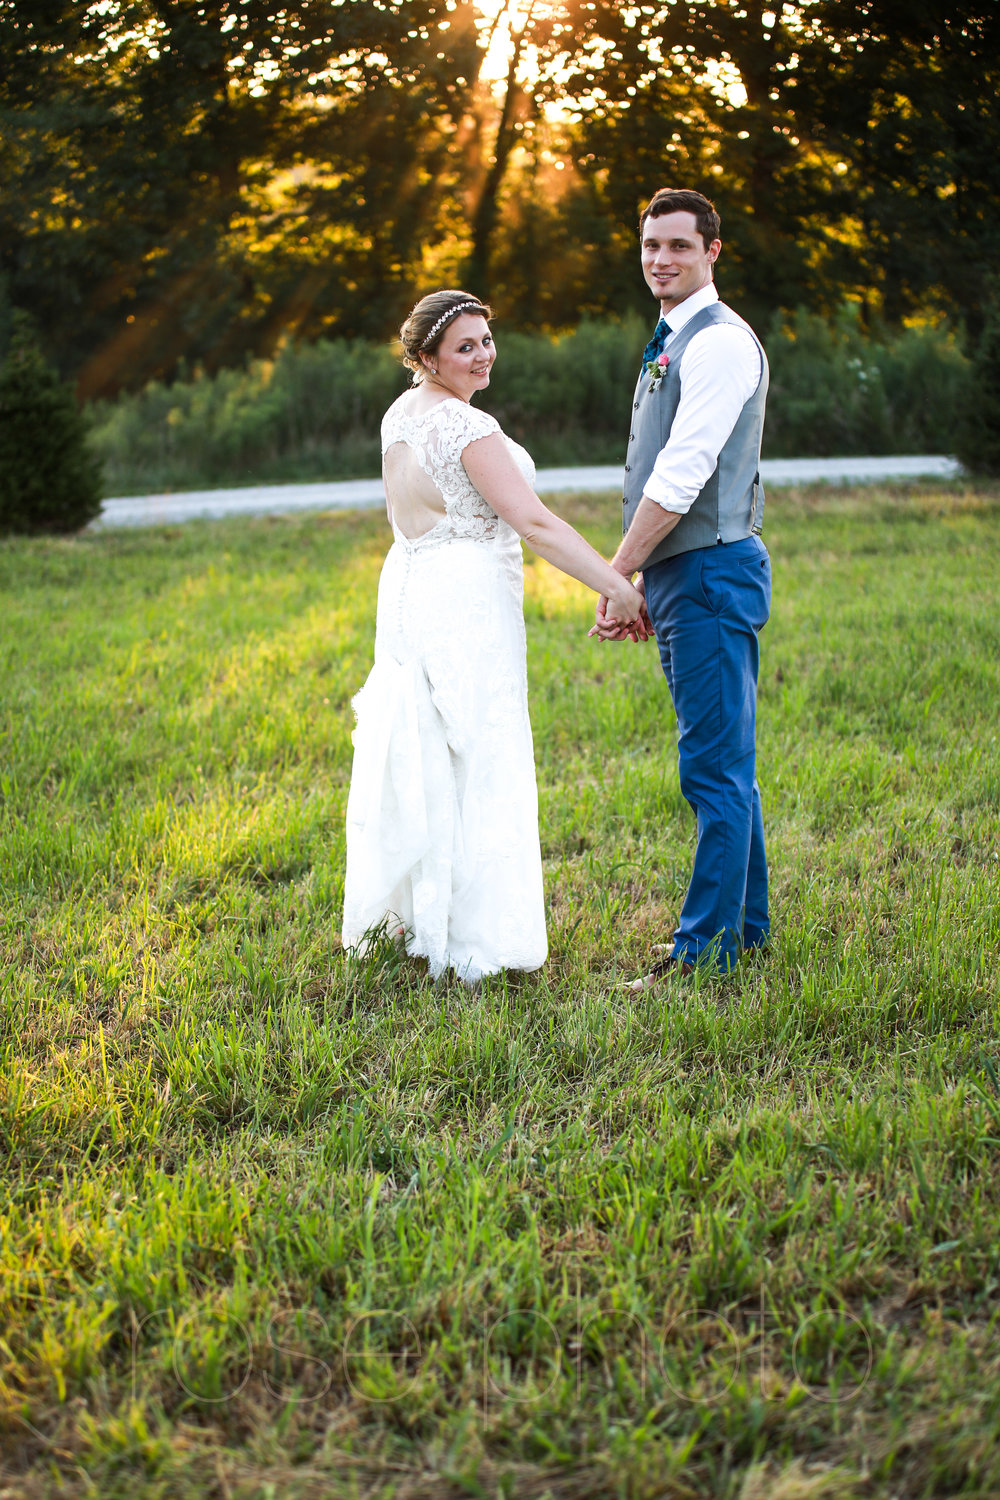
758, 558
711, 592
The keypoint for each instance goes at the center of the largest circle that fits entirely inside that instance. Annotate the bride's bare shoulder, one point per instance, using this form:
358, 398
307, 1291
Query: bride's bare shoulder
418, 402
412, 406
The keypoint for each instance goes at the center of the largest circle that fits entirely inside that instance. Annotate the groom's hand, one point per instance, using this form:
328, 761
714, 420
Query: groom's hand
648, 633
609, 630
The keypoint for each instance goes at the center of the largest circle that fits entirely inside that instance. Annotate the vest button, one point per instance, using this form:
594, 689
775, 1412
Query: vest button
631, 437
627, 468
635, 406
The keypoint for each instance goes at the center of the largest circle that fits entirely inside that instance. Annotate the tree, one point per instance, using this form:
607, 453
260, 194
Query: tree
702, 93
978, 445
197, 180
907, 114
49, 481
194, 180
853, 146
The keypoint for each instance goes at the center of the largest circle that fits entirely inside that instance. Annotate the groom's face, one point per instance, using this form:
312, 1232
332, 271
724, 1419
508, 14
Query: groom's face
675, 259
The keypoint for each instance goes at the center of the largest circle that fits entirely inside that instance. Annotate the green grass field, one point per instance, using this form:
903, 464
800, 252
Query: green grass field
276, 1223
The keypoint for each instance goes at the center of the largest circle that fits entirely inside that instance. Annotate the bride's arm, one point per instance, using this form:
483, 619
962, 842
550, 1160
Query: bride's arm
491, 467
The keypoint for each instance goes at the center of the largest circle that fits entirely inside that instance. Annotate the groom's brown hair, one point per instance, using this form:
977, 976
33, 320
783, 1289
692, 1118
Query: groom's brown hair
684, 200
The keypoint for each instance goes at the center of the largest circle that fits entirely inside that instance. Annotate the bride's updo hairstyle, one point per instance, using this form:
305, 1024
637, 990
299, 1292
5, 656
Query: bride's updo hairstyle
425, 327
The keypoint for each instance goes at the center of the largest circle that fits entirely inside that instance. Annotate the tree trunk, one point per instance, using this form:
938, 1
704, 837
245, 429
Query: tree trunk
476, 274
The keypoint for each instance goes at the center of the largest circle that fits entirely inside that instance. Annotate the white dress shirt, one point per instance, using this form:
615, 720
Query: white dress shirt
720, 370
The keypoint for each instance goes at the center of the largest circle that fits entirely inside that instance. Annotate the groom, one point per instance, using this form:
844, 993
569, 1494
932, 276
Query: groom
692, 520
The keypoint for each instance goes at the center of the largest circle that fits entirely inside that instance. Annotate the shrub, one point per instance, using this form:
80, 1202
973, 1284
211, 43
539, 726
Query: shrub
568, 398
49, 479
979, 433
837, 390
314, 411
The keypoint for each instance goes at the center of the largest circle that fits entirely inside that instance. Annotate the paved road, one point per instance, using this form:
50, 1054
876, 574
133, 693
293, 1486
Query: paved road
365, 494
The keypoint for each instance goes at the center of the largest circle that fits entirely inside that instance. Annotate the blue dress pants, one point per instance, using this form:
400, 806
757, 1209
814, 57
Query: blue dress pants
707, 607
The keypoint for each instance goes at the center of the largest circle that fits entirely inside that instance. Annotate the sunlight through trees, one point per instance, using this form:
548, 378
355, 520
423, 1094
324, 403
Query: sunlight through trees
195, 183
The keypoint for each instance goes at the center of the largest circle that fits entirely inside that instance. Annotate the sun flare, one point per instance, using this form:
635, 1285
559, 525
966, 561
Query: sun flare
501, 21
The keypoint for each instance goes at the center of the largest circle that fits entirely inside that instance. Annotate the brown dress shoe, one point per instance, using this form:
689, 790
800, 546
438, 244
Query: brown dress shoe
664, 968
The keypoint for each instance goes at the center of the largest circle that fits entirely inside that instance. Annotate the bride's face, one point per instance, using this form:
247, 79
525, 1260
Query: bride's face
465, 355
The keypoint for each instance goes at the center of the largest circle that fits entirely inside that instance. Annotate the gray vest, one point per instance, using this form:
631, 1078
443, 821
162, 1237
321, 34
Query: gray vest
731, 505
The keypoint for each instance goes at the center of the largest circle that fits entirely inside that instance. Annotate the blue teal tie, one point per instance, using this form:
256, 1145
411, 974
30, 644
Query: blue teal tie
654, 348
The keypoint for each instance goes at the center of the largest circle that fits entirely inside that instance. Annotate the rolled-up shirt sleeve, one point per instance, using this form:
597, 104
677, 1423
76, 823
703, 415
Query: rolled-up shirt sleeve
720, 370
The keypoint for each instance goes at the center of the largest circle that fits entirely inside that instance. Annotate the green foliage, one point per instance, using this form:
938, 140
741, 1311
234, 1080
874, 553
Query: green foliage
568, 397
979, 432
835, 390
186, 181
311, 413
628, 1246
862, 157
49, 479
188, 184
314, 411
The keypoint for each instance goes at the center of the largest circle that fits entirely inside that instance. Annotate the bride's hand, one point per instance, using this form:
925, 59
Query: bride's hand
621, 613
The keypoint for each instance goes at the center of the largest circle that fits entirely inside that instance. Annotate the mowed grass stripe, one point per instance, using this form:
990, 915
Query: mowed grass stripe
275, 1222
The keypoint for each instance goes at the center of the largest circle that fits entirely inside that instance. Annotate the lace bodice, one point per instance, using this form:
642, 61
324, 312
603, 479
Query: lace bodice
438, 437
442, 815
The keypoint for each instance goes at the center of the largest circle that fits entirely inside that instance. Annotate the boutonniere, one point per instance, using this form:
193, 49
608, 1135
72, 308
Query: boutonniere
656, 369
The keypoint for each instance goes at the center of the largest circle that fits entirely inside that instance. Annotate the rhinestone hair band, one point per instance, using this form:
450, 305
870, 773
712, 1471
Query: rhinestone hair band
446, 317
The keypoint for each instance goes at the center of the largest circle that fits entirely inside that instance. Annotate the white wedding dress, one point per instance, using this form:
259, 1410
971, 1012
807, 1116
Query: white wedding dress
442, 815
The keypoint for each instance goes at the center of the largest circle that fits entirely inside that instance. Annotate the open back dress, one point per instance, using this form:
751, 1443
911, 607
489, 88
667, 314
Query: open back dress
442, 815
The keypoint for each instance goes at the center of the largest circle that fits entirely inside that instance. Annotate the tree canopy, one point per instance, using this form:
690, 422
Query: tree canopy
193, 181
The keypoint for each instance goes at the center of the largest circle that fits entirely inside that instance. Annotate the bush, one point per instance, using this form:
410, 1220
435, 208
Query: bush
314, 411
568, 398
979, 434
49, 479
311, 413
837, 390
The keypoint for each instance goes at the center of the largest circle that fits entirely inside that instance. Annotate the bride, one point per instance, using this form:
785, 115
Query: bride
442, 815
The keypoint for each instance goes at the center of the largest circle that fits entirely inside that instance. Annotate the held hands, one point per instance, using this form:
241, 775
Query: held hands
617, 617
